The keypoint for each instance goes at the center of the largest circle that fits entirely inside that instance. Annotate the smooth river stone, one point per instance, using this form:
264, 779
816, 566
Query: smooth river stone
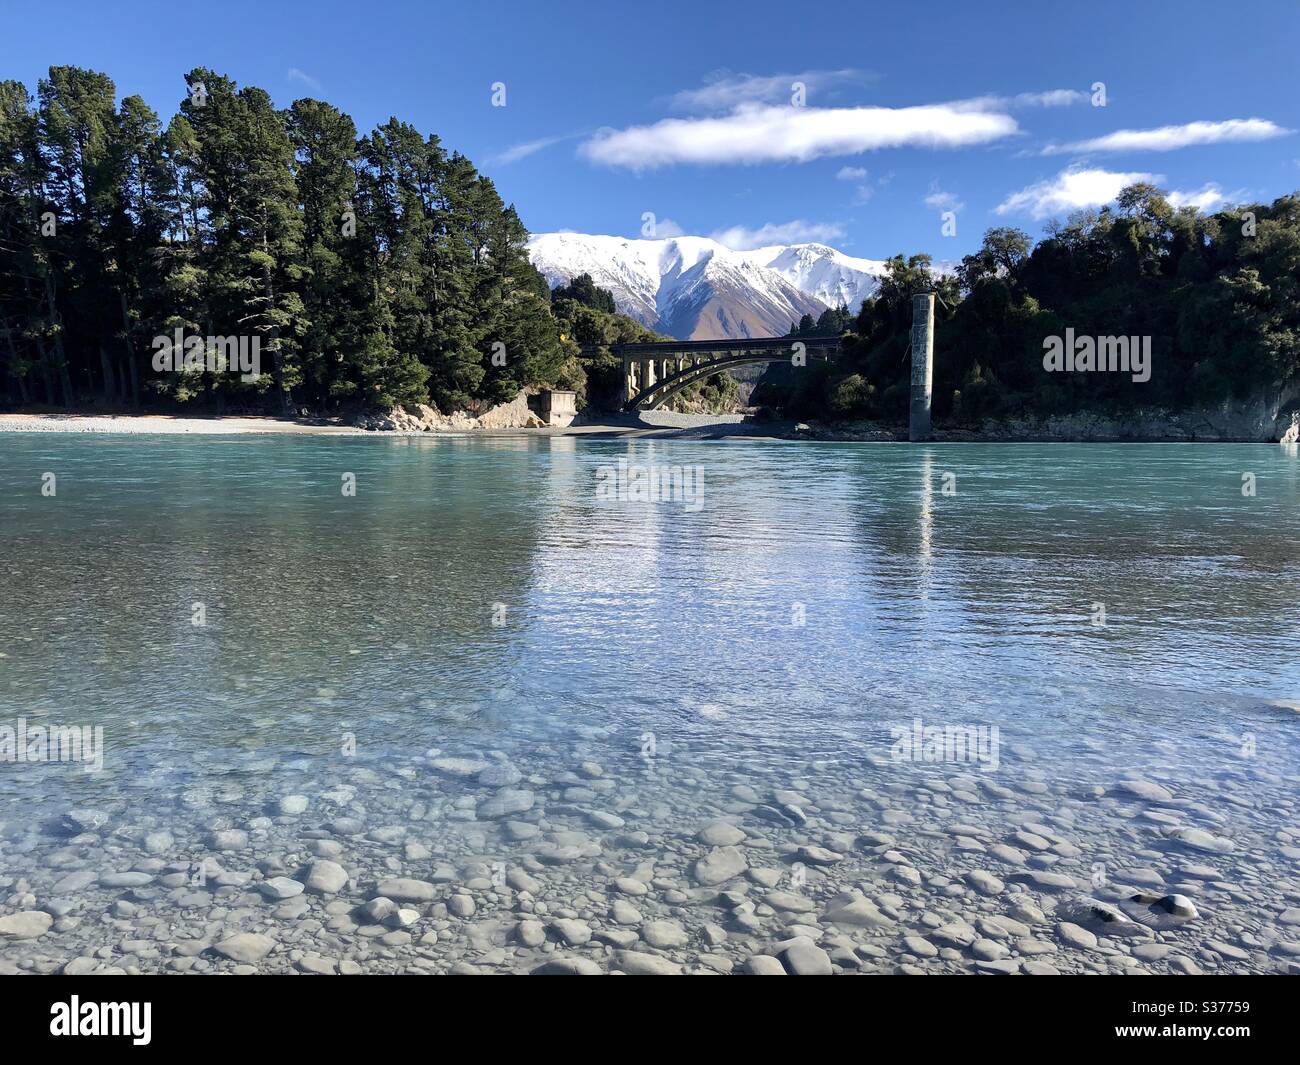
405, 890
531, 933
720, 865
1076, 936
280, 887
573, 932
1200, 840
458, 767
246, 947
229, 839
984, 882
638, 963
819, 855
921, 947
379, 909
803, 957
121, 880
28, 924
74, 882
504, 803
720, 834
1144, 789
326, 878
855, 910
663, 934
784, 900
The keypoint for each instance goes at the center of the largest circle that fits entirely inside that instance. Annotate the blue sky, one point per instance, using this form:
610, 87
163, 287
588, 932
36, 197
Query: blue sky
684, 110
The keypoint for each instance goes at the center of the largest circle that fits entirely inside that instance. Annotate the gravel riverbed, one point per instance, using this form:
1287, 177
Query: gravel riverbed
619, 858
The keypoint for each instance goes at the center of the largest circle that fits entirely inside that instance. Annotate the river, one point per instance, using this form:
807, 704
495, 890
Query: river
575, 717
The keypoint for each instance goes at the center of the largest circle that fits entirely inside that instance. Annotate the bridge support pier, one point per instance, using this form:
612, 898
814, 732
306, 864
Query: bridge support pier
918, 425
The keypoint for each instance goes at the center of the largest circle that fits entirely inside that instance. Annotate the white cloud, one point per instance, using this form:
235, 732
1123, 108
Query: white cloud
726, 91
1204, 200
294, 74
754, 133
851, 173
741, 238
941, 200
1071, 190
666, 227
1169, 138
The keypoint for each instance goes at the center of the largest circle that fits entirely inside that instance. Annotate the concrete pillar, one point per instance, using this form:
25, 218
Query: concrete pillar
918, 425
629, 381
648, 377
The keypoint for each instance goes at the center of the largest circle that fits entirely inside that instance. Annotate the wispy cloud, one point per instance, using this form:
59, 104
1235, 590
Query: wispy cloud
862, 190
303, 78
1019, 101
741, 238
1050, 98
725, 91
1071, 190
522, 151
754, 133
1170, 138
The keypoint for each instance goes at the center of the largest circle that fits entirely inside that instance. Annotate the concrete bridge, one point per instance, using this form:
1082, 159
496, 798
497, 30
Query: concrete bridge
654, 372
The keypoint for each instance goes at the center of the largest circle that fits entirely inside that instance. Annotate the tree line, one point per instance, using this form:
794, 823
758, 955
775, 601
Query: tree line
1217, 293
369, 270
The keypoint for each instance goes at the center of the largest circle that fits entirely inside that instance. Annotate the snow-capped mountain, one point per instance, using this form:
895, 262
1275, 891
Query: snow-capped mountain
821, 272
694, 288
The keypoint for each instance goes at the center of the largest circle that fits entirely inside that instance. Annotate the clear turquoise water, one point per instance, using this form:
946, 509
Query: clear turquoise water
374, 614
369, 619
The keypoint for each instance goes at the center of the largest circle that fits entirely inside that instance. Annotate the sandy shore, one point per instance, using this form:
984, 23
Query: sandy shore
161, 423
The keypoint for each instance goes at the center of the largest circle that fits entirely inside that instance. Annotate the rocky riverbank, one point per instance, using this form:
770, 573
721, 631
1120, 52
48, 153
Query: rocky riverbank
1251, 422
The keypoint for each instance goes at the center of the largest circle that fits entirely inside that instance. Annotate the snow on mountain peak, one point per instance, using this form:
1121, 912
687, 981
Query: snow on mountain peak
697, 288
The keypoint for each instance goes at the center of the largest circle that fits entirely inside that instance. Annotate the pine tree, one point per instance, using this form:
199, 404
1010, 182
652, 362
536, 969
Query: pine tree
244, 166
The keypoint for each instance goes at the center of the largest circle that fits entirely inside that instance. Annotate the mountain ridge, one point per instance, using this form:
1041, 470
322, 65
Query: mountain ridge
695, 288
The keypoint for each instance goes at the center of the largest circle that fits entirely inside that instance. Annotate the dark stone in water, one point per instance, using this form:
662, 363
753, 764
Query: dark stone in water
785, 814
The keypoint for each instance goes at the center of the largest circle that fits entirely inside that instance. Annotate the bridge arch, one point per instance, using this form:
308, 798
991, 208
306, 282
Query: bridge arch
655, 372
